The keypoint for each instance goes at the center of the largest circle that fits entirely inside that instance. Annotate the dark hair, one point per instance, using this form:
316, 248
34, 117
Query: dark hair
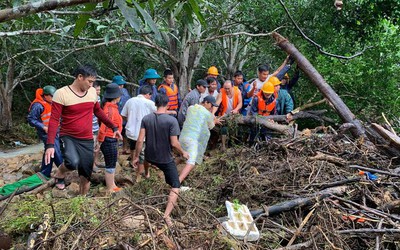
168, 72
161, 100
263, 67
146, 89
238, 73
85, 70
210, 80
96, 84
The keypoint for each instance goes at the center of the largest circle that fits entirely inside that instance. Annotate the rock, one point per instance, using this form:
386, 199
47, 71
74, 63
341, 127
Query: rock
73, 189
5, 241
57, 193
1, 183
133, 222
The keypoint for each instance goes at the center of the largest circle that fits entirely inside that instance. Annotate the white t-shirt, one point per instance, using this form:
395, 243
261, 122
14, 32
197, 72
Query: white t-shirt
134, 110
259, 85
207, 93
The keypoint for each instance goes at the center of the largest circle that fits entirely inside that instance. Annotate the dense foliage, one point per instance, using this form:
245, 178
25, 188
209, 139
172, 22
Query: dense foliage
369, 83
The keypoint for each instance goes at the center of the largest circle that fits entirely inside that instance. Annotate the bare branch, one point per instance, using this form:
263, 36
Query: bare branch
36, 7
234, 34
319, 47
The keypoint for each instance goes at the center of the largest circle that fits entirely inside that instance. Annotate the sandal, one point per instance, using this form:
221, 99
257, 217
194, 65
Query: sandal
60, 183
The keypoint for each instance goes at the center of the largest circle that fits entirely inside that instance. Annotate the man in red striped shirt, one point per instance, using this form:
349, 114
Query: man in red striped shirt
72, 108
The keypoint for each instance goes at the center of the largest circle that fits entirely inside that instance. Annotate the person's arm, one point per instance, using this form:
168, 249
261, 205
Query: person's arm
162, 90
240, 104
254, 106
281, 67
218, 102
34, 117
175, 143
139, 145
283, 71
288, 103
251, 92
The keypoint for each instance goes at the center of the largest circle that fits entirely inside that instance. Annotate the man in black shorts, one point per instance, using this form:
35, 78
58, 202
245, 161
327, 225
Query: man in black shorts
161, 132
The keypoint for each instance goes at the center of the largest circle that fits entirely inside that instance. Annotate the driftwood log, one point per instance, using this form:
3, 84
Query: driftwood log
343, 111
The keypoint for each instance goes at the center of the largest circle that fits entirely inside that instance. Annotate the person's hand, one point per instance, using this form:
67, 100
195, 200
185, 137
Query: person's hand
254, 84
135, 162
289, 117
235, 111
48, 155
218, 120
45, 129
117, 135
185, 155
173, 112
97, 146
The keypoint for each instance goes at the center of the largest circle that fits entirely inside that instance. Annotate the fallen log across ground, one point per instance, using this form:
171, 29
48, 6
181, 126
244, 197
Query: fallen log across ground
343, 111
299, 202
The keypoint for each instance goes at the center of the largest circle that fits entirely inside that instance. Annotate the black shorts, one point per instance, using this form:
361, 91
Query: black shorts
170, 173
109, 148
77, 154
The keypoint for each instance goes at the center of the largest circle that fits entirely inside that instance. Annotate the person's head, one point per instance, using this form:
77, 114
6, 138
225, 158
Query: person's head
212, 84
228, 87
276, 82
85, 76
146, 91
119, 80
209, 102
238, 78
263, 72
112, 93
201, 86
267, 90
97, 86
161, 100
285, 79
212, 72
48, 93
151, 76
168, 77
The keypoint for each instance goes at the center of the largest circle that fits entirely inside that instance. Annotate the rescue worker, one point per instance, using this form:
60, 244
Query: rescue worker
39, 117
213, 72
230, 102
263, 104
170, 89
284, 102
244, 87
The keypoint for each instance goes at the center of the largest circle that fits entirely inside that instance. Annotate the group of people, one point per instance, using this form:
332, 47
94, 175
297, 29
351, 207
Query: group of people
75, 124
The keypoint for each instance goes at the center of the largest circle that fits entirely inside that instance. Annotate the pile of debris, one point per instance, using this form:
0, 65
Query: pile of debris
318, 191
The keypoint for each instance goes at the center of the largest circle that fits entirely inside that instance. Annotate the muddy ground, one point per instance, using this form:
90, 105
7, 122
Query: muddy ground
363, 216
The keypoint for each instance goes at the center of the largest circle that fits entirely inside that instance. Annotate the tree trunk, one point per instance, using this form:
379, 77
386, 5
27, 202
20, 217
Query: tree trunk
31, 8
5, 109
344, 112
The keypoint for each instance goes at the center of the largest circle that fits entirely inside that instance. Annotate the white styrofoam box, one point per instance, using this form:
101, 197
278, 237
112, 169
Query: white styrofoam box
239, 222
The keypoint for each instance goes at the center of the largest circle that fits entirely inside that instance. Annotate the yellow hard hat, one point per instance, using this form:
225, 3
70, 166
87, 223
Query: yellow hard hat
212, 71
274, 80
268, 88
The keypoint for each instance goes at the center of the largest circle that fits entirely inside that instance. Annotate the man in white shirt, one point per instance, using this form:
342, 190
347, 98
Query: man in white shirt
211, 90
133, 112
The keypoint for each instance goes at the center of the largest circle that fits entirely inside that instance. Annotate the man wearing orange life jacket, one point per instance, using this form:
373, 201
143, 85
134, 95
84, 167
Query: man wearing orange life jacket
264, 104
230, 102
172, 91
39, 117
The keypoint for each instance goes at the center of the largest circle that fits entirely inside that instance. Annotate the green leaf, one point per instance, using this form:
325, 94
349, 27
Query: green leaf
130, 14
82, 20
169, 4
188, 11
107, 39
197, 12
148, 20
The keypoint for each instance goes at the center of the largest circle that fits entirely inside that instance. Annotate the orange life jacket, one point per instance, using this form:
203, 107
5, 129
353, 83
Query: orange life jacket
224, 102
45, 116
172, 95
263, 108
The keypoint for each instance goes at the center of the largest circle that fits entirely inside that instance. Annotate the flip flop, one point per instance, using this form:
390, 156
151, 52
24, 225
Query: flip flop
60, 183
